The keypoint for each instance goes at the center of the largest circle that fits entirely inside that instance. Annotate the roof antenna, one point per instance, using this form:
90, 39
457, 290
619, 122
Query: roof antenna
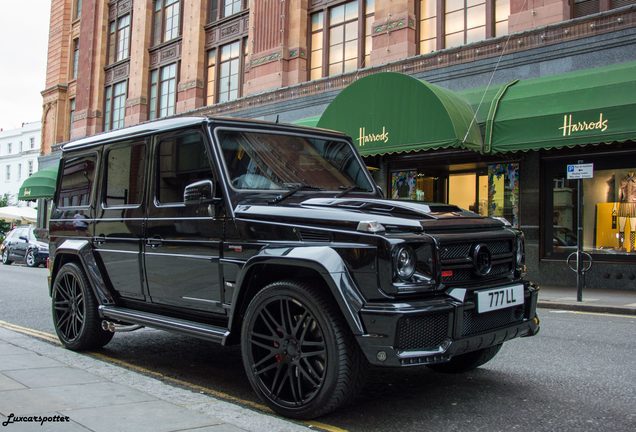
277, 118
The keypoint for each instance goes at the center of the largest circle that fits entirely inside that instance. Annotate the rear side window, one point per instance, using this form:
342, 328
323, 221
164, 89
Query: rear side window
182, 160
125, 175
78, 177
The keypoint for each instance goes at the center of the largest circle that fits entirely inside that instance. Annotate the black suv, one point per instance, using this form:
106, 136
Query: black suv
26, 243
276, 238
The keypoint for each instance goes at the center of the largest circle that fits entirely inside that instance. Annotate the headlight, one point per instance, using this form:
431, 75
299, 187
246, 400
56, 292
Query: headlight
521, 254
404, 262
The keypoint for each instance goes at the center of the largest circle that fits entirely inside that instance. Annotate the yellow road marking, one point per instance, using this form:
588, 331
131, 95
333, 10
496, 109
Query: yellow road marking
30, 332
185, 384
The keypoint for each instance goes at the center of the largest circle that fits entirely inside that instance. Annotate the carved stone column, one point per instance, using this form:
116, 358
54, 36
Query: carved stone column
394, 36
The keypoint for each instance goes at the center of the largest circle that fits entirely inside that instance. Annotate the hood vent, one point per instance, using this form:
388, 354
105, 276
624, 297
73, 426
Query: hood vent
314, 236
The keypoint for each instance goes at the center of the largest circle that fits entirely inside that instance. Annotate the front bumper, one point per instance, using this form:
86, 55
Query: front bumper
433, 331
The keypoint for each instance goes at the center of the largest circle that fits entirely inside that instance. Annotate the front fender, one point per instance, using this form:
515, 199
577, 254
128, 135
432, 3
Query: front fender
82, 250
321, 259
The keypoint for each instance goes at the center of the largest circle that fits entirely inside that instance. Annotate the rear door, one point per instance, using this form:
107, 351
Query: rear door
182, 244
120, 215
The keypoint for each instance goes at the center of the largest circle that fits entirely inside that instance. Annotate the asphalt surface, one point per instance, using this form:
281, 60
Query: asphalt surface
577, 375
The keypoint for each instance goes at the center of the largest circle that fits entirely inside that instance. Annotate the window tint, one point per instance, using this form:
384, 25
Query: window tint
181, 160
124, 175
78, 176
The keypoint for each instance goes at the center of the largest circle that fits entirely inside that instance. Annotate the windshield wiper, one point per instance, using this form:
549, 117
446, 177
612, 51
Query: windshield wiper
347, 189
292, 191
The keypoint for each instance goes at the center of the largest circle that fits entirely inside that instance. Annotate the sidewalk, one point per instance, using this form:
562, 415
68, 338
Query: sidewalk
77, 393
594, 300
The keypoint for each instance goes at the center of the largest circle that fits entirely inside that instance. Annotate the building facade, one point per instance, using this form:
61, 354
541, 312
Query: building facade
19, 151
122, 62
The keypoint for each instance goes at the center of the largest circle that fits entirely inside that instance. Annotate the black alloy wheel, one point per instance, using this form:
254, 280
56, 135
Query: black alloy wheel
29, 259
74, 308
5, 256
298, 353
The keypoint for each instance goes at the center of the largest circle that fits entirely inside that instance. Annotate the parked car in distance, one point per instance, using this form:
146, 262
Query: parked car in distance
276, 238
27, 244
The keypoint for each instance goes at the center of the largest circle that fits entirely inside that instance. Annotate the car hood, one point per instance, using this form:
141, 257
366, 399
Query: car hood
347, 213
40, 244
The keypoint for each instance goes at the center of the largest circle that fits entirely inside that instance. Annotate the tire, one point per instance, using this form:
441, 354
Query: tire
74, 309
298, 352
30, 260
467, 362
5, 257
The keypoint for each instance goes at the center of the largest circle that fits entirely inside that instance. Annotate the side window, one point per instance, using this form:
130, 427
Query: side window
181, 160
78, 176
125, 175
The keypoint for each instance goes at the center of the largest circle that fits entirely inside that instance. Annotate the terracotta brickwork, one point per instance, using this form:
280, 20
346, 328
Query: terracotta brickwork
277, 52
529, 14
191, 92
90, 75
141, 33
394, 36
54, 95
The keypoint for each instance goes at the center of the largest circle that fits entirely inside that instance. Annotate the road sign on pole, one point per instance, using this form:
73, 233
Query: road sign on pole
580, 171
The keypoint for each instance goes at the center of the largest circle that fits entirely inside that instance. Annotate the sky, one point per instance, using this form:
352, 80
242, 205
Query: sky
24, 32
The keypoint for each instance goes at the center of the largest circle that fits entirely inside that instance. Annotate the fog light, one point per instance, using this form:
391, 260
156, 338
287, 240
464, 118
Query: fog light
381, 356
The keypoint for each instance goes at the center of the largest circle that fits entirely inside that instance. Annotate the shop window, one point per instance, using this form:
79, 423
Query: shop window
462, 21
166, 20
338, 38
608, 209
115, 106
489, 191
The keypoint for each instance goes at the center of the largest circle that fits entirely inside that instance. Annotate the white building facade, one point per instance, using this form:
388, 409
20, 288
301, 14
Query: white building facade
19, 151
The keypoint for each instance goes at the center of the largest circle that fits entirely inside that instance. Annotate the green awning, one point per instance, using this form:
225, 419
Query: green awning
585, 107
41, 184
394, 113
307, 121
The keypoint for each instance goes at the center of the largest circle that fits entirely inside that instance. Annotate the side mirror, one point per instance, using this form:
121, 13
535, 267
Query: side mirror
201, 192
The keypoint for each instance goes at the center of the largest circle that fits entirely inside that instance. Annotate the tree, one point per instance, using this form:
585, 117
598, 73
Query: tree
4, 226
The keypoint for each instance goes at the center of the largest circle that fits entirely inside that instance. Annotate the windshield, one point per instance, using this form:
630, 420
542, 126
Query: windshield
41, 234
267, 161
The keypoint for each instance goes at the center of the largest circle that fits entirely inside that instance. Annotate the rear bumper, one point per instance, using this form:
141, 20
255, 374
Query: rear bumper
433, 331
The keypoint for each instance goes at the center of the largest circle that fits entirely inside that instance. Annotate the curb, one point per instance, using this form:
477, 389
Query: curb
619, 310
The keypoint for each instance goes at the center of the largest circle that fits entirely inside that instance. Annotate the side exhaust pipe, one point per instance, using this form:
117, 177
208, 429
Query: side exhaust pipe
119, 328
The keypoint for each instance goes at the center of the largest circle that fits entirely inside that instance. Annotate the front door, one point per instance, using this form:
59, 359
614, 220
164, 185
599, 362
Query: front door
182, 244
120, 212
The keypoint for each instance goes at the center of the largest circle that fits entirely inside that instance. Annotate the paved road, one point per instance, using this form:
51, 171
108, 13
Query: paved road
577, 375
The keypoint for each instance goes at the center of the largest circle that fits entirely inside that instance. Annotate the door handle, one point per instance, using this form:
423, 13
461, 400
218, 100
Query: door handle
154, 242
99, 240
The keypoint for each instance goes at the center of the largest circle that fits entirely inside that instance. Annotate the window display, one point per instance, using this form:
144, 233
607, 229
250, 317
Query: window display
609, 209
403, 185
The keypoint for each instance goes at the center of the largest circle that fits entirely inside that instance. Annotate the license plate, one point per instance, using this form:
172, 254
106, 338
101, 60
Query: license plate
499, 298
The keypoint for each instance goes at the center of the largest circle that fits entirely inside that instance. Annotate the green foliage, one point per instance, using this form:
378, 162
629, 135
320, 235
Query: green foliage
4, 226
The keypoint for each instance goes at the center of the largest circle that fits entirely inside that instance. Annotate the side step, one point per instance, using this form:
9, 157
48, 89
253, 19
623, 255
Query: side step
191, 328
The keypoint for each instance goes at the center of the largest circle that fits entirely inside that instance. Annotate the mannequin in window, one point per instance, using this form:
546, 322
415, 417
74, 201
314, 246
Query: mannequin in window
627, 209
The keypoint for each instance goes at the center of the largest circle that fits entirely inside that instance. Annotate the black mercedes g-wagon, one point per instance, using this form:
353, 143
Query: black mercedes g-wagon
276, 238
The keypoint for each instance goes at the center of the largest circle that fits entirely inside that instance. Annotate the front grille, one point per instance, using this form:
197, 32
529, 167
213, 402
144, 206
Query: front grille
468, 274
456, 261
422, 332
477, 323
